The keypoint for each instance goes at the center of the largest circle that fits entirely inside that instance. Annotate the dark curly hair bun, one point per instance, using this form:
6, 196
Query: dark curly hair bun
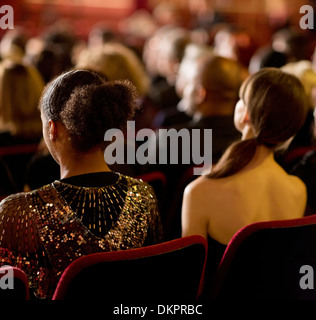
89, 107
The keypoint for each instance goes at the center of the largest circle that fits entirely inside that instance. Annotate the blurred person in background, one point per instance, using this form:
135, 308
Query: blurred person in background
234, 43
13, 43
21, 86
172, 45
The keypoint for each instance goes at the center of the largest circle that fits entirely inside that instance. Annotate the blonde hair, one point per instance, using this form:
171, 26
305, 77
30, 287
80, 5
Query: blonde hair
116, 62
21, 87
303, 70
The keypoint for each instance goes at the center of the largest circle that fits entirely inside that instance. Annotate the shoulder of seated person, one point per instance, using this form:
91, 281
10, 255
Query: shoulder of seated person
199, 185
18, 199
297, 183
13, 201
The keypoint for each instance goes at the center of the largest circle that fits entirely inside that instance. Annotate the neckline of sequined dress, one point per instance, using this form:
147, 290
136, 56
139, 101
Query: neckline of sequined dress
49, 234
64, 235
67, 192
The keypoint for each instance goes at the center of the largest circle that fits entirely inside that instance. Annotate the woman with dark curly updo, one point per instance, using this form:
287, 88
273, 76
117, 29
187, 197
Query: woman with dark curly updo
90, 208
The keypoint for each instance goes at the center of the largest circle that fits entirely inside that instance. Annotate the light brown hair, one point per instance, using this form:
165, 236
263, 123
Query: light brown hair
277, 107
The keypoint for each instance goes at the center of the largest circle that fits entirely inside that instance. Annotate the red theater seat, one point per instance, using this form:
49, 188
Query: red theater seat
169, 271
263, 261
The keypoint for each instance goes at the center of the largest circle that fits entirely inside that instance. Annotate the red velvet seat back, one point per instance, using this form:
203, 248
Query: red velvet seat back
170, 271
264, 260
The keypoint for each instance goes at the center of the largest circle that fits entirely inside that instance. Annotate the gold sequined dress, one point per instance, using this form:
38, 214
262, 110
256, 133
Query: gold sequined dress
44, 230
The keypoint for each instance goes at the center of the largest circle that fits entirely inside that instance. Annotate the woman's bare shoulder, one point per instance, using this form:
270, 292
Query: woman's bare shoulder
201, 187
297, 186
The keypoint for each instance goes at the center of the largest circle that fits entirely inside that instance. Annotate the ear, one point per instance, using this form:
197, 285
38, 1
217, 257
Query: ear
52, 130
200, 94
245, 118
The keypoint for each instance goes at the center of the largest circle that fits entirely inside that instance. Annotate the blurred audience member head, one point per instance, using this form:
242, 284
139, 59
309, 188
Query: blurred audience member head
171, 51
293, 43
168, 13
211, 86
152, 49
12, 45
117, 62
304, 71
61, 39
234, 43
101, 34
266, 57
48, 59
20, 89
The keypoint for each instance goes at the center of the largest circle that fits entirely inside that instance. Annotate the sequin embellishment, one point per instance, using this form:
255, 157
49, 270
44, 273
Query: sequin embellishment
43, 231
